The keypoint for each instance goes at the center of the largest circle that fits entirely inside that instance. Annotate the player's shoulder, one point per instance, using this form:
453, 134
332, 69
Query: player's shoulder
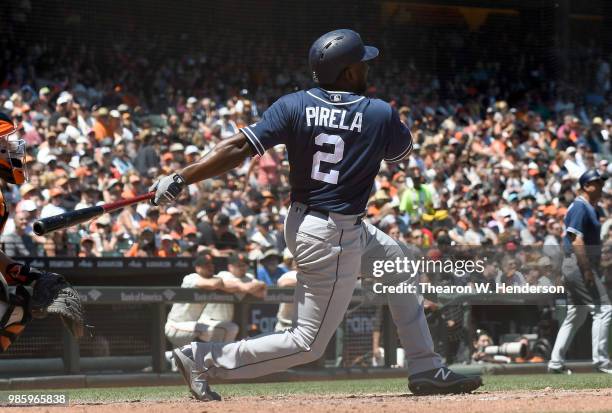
292, 98
226, 275
380, 104
223, 274
577, 209
289, 275
287, 104
379, 107
189, 280
579, 205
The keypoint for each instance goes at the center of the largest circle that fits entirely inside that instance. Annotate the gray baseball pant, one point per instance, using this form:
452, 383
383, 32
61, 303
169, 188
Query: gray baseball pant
329, 253
583, 299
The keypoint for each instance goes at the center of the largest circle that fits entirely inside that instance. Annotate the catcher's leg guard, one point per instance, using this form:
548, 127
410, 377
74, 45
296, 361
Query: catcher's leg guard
15, 315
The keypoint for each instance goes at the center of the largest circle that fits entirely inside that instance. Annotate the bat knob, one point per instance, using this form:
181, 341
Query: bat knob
39, 228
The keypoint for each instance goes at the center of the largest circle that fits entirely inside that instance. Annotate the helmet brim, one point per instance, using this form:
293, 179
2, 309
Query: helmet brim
370, 53
602, 178
591, 176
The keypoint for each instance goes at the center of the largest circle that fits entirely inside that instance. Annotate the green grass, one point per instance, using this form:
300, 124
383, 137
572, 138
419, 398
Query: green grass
352, 387
541, 381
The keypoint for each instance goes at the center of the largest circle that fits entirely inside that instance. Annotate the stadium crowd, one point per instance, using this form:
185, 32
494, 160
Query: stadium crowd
483, 171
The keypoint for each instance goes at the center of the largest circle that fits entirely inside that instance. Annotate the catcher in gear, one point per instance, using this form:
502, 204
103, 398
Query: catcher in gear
50, 292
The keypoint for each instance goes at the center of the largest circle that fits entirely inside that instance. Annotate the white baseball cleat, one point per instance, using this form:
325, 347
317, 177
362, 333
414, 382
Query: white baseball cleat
606, 368
560, 370
198, 386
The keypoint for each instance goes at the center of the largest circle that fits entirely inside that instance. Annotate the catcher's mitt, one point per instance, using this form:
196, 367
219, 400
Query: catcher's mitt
53, 294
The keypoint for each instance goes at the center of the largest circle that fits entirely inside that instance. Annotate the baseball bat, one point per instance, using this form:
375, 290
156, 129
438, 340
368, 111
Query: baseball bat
78, 216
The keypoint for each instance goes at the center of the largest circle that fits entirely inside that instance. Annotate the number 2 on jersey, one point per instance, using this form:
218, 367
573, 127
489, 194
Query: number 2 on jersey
330, 177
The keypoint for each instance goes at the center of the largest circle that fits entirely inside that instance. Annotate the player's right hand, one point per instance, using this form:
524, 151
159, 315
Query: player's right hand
167, 189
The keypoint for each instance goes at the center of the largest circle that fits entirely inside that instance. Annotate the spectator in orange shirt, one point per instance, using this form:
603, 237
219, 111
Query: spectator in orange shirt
145, 246
171, 222
132, 187
102, 126
168, 247
388, 186
398, 184
151, 219
166, 161
381, 197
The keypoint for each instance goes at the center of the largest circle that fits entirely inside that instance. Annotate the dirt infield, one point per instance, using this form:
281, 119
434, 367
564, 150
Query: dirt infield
547, 400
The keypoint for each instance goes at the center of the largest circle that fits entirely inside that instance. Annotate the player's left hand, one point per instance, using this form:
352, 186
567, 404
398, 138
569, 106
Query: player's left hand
167, 189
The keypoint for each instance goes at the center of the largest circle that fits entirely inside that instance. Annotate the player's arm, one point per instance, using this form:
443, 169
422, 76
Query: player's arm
234, 286
582, 258
574, 230
224, 157
399, 144
209, 283
253, 287
228, 154
257, 288
286, 282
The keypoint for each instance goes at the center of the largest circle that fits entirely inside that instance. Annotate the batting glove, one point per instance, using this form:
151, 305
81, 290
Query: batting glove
167, 189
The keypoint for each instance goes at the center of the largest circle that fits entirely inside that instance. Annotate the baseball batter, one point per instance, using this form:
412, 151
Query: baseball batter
336, 140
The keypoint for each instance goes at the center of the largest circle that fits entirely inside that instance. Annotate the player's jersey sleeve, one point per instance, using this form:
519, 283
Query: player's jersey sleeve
225, 275
574, 220
189, 281
400, 139
272, 129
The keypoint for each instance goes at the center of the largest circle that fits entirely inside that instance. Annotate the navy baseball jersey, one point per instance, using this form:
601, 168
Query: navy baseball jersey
335, 141
582, 220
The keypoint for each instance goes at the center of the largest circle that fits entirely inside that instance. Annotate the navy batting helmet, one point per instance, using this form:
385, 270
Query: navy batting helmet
333, 52
590, 176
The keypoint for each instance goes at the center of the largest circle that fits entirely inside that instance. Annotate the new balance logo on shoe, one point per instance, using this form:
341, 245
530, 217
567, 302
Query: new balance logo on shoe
442, 372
